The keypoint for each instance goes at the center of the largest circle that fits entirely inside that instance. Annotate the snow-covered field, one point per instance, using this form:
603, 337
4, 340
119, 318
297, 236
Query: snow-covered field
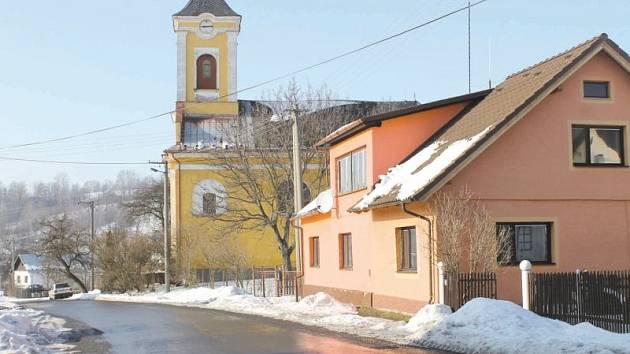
30, 331
481, 326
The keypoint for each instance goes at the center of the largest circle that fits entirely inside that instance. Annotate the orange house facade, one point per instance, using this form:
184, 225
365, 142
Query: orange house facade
546, 152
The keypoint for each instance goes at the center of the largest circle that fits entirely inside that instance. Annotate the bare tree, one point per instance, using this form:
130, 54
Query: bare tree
125, 259
467, 234
257, 169
147, 203
65, 247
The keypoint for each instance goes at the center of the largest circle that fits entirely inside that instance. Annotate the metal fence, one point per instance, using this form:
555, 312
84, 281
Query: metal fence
598, 297
258, 281
463, 287
284, 282
26, 293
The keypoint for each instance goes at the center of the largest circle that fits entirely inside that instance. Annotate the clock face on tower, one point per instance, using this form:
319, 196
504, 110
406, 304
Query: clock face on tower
206, 26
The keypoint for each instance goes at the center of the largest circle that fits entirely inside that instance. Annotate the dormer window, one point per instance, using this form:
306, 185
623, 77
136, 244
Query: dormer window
596, 89
207, 72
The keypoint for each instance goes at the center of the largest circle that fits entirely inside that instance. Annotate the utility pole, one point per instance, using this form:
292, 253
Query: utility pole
297, 186
90, 204
12, 280
469, 53
167, 245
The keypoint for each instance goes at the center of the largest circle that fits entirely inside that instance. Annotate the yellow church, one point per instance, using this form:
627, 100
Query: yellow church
207, 32
207, 107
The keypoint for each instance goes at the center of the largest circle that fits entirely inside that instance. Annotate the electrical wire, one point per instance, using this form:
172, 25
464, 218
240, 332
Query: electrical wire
248, 88
7, 158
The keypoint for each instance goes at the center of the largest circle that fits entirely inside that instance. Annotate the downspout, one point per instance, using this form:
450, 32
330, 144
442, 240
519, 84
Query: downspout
430, 234
178, 232
299, 276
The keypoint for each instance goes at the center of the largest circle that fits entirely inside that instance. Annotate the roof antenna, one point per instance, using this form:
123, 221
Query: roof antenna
489, 62
469, 55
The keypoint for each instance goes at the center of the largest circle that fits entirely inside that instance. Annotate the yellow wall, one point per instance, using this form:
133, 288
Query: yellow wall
220, 42
260, 247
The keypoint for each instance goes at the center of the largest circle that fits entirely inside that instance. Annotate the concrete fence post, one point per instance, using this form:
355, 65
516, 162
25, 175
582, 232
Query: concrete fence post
441, 287
526, 268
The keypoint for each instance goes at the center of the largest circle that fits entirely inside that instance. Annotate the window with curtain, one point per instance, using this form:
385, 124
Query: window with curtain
598, 145
345, 244
352, 172
530, 241
314, 252
407, 249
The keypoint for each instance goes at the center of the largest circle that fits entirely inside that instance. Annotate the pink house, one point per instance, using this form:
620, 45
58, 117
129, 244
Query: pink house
545, 152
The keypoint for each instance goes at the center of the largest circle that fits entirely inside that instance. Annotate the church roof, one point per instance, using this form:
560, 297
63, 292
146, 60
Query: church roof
215, 7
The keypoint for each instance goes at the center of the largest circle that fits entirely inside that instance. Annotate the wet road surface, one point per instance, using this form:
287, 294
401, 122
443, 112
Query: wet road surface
144, 328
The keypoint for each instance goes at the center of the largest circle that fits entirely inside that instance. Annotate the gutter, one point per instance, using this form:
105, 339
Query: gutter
430, 234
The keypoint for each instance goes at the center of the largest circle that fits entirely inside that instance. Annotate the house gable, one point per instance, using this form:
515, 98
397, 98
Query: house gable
440, 158
533, 160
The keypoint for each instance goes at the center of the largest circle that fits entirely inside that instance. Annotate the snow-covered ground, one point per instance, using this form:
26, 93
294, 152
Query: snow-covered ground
30, 331
481, 326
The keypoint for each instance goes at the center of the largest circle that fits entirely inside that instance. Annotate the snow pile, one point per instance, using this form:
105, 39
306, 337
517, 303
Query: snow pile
493, 326
428, 317
481, 326
420, 170
321, 304
29, 331
322, 204
86, 296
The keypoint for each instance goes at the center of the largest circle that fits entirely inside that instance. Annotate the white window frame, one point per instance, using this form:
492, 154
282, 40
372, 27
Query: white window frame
356, 178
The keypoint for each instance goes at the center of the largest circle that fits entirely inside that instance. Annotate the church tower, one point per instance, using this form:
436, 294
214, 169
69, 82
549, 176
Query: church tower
207, 32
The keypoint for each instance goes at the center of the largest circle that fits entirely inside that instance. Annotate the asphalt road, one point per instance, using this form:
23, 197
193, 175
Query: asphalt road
140, 328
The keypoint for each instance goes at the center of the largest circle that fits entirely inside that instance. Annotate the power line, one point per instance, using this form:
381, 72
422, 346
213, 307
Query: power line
6, 158
370, 45
92, 132
278, 78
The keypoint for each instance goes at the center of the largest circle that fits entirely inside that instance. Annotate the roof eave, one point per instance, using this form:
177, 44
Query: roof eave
603, 43
376, 120
517, 115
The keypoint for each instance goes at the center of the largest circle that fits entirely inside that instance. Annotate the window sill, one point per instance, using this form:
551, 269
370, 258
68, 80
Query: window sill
407, 271
346, 269
596, 165
594, 98
535, 264
352, 192
207, 93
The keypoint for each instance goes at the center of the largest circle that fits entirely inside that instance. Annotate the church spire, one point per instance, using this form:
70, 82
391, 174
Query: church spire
218, 8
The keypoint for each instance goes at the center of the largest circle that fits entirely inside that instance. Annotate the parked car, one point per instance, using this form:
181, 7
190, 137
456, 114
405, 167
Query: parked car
36, 290
60, 291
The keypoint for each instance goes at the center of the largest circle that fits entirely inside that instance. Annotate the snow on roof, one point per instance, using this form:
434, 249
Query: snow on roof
322, 204
31, 261
491, 117
406, 179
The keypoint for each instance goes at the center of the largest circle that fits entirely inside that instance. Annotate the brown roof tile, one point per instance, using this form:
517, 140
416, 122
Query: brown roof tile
486, 118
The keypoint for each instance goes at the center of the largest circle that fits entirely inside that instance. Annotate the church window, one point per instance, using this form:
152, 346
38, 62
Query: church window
207, 72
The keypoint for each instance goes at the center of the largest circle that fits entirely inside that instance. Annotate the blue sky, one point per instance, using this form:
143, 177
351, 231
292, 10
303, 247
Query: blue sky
72, 66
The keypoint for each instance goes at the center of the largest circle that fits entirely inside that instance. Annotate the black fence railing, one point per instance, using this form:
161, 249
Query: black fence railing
463, 287
598, 297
